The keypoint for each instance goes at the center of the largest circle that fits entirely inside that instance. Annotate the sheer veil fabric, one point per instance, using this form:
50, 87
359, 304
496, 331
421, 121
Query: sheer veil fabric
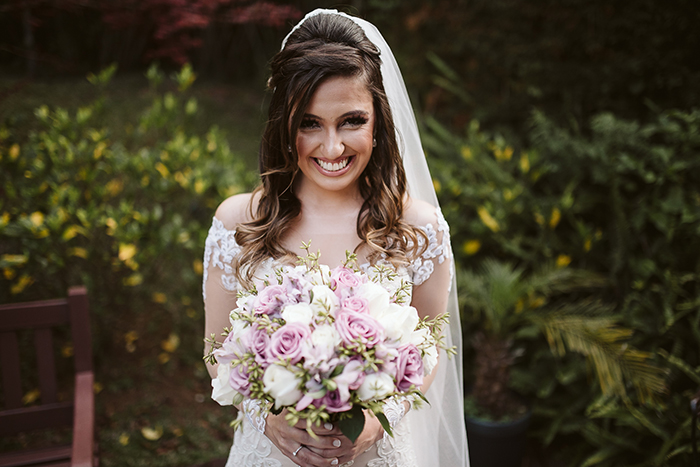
438, 431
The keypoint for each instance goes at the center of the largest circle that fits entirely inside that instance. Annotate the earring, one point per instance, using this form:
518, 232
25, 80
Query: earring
289, 148
374, 142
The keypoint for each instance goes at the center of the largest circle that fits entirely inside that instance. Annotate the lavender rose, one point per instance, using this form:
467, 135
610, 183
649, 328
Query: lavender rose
286, 343
239, 378
271, 300
259, 343
353, 326
409, 368
334, 402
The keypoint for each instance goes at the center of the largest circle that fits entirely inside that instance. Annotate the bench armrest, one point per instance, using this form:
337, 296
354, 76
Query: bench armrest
84, 420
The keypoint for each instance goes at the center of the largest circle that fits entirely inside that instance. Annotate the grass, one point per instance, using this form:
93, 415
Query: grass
153, 407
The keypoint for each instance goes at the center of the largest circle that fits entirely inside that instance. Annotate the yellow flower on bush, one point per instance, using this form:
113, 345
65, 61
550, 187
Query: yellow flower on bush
72, 231
37, 218
554, 218
129, 338
134, 280
171, 344
524, 163
487, 219
99, 149
563, 261
162, 169
14, 260
437, 185
539, 218
124, 439
126, 251
198, 267
159, 297
22, 283
466, 153
471, 247
111, 226
79, 252
31, 396
199, 186
14, 152
152, 434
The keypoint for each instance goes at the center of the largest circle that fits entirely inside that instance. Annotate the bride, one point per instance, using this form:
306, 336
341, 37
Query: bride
341, 164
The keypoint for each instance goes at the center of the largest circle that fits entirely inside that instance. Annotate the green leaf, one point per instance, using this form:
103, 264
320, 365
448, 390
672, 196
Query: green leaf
353, 424
385, 423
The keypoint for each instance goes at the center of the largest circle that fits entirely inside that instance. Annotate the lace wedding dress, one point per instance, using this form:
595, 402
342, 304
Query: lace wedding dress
251, 448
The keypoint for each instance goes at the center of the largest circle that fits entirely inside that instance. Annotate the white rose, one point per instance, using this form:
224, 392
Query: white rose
321, 275
282, 385
244, 303
399, 322
238, 327
323, 299
325, 336
420, 337
376, 386
222, 392
430, 359
298, 313
377, 297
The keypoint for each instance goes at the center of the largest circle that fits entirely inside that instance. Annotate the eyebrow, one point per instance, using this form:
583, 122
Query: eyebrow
352, 113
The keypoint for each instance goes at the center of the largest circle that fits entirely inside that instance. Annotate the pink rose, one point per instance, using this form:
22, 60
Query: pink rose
259, 343
239, 378
271, 300
409, 368
286, 343
334, 402
344, 279
351, 378
355, 303
356, 327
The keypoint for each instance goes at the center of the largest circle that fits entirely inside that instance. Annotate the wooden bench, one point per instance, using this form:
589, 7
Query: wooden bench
41, 317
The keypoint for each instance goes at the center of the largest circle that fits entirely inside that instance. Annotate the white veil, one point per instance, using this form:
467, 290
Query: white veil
438, 431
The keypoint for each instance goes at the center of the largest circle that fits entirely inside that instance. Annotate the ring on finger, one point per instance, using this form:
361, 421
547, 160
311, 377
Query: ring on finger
297, 451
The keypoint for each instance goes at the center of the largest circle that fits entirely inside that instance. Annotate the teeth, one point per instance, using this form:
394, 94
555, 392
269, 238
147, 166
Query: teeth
333, 167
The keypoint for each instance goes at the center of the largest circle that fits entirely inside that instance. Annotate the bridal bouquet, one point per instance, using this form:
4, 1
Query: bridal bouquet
325, 344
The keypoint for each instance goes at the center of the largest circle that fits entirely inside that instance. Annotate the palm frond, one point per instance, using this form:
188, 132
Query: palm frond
588, 329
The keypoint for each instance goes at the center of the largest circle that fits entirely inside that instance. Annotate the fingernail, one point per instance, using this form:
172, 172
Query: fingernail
336, 443
328, 426
334, 461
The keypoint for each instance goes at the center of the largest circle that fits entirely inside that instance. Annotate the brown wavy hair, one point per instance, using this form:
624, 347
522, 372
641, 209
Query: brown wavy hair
325, 46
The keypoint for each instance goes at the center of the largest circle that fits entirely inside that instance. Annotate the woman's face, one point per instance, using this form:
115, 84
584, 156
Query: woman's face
334, 141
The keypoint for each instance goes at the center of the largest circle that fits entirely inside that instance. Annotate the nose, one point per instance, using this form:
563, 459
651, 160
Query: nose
332, 146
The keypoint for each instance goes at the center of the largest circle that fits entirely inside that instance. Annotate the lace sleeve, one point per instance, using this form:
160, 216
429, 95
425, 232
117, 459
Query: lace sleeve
219, 282
220, 249
438, 248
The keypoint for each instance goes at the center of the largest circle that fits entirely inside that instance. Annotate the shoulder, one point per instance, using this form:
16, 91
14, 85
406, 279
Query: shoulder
420, 213
236, 210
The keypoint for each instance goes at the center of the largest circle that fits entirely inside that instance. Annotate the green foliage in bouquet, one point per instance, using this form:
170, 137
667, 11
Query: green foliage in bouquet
619, 199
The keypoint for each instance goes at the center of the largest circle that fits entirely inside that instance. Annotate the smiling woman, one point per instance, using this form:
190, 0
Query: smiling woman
332, 171
334, 142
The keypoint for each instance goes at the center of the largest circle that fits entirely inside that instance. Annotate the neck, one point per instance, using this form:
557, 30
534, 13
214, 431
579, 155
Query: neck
318, 202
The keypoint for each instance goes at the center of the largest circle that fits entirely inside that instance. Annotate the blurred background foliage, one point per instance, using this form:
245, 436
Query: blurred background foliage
558, 132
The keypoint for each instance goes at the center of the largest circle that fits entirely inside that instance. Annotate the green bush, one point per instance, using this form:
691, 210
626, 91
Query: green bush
618, 198
124, 211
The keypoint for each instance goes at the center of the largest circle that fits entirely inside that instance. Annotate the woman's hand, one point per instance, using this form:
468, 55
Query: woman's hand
347, 450
288, 439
